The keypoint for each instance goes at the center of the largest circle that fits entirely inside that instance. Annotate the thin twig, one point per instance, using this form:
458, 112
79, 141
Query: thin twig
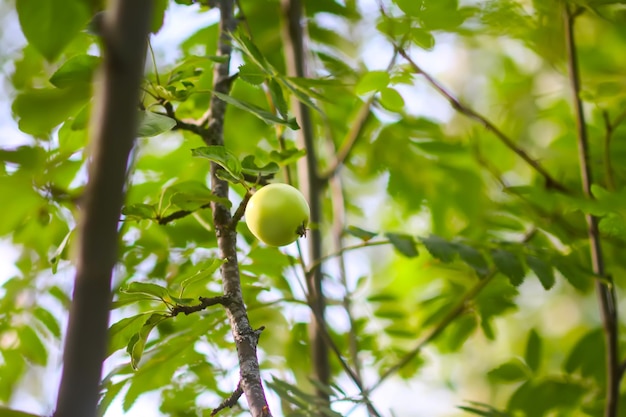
293, 34
179, 214
205, 302
346, 367
339, 215
604, 286
196, 127
229, 402
240, 210
551, 182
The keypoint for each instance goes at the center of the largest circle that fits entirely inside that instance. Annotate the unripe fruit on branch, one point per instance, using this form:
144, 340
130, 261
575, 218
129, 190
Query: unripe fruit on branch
277, 214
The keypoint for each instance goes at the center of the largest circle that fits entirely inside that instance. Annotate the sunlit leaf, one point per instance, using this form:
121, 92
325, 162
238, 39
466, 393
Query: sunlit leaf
49, 25
372, 81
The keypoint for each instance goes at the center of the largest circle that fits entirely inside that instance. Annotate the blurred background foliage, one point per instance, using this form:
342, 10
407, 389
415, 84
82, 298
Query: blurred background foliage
465, 259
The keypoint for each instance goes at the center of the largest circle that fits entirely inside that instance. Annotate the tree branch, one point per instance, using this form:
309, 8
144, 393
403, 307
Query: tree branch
114, 126
293, 39
456, 104
604, 286
458, 309
245, 336
454, 313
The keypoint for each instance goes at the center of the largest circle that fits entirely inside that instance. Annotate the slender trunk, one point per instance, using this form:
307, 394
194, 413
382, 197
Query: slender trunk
124, 35
604, 289
293, 39
246, 338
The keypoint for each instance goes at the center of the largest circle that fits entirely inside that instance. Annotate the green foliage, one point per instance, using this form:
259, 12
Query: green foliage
454, 248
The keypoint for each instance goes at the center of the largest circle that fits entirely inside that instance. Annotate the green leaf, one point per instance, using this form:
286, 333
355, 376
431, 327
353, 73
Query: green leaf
40, 110
577, 275
533, 351
278, 98
482, 409
193, 195
473, 258
543, 271
251, 51
147, 288
137, 343
391, 100
410, 7
221, 156
613, 225
372, 81
440, 248
152, 124
382, 298
588, 356
158, 12
364, 235
405, 244
287, 156
50, 25
248, 166
204, 275
511, 371
31, 346
79, 69
8, 412
262, 114
422, 38
122, 331
48, 320
56, 256
124, 299
252, 74
509, 265
137, 212
110, 392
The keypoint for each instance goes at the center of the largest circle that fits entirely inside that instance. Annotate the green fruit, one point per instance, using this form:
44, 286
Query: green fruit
277, 214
